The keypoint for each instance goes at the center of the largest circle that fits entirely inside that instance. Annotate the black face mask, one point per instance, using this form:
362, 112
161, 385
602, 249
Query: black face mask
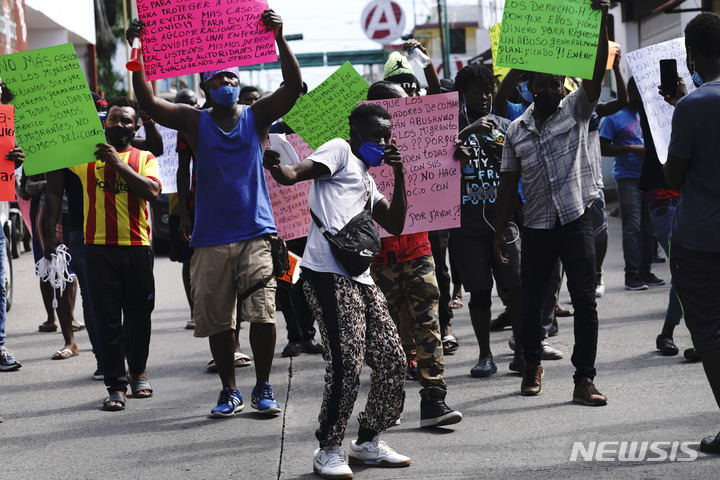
118, 136
546, 102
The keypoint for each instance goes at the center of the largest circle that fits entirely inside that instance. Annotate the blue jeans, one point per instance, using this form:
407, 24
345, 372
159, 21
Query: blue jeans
3, 293
661, 216
637, 232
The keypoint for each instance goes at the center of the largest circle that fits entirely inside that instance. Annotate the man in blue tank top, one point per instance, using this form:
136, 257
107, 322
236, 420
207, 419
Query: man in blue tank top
233, 216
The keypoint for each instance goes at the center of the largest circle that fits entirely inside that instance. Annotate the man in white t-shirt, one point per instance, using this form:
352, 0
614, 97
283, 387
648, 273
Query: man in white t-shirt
351, 311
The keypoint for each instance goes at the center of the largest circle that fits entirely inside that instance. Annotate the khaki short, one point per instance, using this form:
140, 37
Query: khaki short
219, 274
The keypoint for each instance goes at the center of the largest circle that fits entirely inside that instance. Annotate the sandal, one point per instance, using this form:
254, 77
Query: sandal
139, 384
242, 360
450, 344
48, 327
561, 311
63, 354
457, 302
115, 397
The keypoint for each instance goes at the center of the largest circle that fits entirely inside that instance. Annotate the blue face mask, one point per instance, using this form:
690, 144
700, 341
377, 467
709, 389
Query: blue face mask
527, 96
371, 153
697, 79
225, 95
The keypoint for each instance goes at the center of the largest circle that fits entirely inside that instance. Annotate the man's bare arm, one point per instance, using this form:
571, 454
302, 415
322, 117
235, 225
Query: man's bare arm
176, 116
593, 87
51, 215
270, 108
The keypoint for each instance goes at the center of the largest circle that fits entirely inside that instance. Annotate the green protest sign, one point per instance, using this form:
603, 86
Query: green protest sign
322, 114
549, 36
56, 122
498, 71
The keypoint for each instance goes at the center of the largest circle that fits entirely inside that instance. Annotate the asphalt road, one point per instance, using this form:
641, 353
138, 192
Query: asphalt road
54, 426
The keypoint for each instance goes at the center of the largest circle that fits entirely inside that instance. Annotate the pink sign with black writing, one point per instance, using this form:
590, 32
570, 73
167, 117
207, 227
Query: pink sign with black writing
191, 36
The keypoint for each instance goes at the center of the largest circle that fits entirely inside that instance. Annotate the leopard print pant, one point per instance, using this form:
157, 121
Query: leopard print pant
355, 327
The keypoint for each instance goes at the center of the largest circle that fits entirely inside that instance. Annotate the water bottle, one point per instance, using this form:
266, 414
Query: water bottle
417, 55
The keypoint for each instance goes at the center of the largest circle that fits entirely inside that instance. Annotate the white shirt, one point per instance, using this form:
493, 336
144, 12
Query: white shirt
335, 199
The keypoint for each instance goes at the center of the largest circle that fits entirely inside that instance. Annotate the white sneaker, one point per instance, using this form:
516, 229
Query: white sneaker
330, 462
376, 452
600, 289
550, 353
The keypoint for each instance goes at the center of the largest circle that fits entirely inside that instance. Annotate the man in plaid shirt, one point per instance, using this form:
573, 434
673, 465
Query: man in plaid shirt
548, 146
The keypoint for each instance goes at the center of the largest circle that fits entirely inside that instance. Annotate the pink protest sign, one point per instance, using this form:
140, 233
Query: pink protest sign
190, 36
425, 129
290, 204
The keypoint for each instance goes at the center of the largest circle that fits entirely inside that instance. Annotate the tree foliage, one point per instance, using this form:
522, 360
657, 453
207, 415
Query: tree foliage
109, 27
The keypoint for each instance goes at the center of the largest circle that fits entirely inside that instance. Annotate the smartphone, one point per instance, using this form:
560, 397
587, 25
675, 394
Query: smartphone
668, 77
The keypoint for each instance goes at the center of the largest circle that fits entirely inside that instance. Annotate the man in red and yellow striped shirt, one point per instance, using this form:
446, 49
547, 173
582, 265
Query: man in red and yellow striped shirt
116, 189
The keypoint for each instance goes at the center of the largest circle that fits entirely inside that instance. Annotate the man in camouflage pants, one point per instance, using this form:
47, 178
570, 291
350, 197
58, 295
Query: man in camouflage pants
405, 272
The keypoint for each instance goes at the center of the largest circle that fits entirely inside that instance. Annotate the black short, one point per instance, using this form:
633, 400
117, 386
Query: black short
475, 260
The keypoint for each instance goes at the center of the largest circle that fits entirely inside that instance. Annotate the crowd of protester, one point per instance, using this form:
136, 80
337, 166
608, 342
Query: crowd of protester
538, 136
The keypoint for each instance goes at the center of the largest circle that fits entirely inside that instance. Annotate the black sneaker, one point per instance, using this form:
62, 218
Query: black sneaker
412, 370
634, 282
650, 279
292, 349
710, 444
434, 412
501, 322
666, 346
692, 355
309, 346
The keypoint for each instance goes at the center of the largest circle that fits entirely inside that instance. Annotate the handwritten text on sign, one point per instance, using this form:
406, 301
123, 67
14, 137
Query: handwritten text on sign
426, 129
168, 161
498, 71
290, 203
7, 143
322, 114
191, 36
56, 121
645, 68
549, 36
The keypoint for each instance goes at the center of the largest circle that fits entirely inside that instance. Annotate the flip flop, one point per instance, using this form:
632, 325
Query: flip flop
242, 360
456, 302
450, 344
48, 327
63, 354
138, 384
116, 397
78, 328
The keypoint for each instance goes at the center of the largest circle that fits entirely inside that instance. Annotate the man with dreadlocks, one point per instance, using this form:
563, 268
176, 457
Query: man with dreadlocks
692, 166
480, 144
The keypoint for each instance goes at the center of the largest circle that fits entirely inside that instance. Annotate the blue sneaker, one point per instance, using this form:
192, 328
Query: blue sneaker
263, 400
7, 361
228, 403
